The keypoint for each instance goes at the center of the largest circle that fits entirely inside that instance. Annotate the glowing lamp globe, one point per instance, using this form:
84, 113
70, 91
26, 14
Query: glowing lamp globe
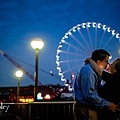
37, 43
19, 73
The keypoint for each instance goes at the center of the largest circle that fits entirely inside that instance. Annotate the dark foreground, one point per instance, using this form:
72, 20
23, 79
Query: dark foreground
61, 110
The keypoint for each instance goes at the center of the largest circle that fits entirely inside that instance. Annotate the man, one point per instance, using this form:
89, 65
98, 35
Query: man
86, 85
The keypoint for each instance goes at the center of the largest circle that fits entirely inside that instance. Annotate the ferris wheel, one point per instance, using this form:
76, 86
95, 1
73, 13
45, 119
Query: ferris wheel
79, 42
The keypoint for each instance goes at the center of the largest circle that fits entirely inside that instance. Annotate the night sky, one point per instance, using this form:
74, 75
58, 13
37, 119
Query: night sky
23, 20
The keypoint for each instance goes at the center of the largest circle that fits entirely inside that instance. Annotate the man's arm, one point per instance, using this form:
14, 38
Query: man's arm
94, 66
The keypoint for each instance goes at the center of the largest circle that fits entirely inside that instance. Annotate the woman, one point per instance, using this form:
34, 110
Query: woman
111, 89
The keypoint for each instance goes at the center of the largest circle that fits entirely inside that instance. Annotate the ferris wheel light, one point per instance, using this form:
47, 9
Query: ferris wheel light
117, 35
69, 33
66, 36
58, 51
88, 24
78, 25
60, 46
58, 64
94, 24
58, 54
63, 40
78, 28
99, 25
108, 29
57, 58
60, 74
62, 79
74, 29
113, 32
104, 27
57, 61
60, 43
83, 25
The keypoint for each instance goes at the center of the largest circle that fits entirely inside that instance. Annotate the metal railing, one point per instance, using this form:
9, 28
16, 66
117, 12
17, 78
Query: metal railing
53, 110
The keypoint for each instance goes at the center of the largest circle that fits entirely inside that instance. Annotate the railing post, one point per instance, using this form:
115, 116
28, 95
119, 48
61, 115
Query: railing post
29, 111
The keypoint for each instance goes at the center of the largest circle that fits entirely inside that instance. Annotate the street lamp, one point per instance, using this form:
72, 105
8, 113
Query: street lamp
36, 44
18, 74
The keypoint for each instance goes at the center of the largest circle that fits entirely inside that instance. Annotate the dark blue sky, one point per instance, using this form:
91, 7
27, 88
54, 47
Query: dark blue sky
23, 20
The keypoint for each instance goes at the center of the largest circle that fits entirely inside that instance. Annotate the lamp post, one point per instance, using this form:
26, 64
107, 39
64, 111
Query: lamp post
18, 74
37, 44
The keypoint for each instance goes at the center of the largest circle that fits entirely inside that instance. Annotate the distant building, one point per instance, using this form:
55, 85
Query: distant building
9, 94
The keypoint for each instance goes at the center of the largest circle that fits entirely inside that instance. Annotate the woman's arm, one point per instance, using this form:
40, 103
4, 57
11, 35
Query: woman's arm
94, 66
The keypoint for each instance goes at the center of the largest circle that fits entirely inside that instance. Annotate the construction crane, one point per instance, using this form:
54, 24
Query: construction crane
19, 67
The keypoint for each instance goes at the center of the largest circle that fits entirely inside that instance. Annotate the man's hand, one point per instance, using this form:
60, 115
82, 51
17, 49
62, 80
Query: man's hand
112, 107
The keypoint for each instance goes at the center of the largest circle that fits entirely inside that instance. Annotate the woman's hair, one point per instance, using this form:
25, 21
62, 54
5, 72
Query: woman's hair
117, 65
99, 54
